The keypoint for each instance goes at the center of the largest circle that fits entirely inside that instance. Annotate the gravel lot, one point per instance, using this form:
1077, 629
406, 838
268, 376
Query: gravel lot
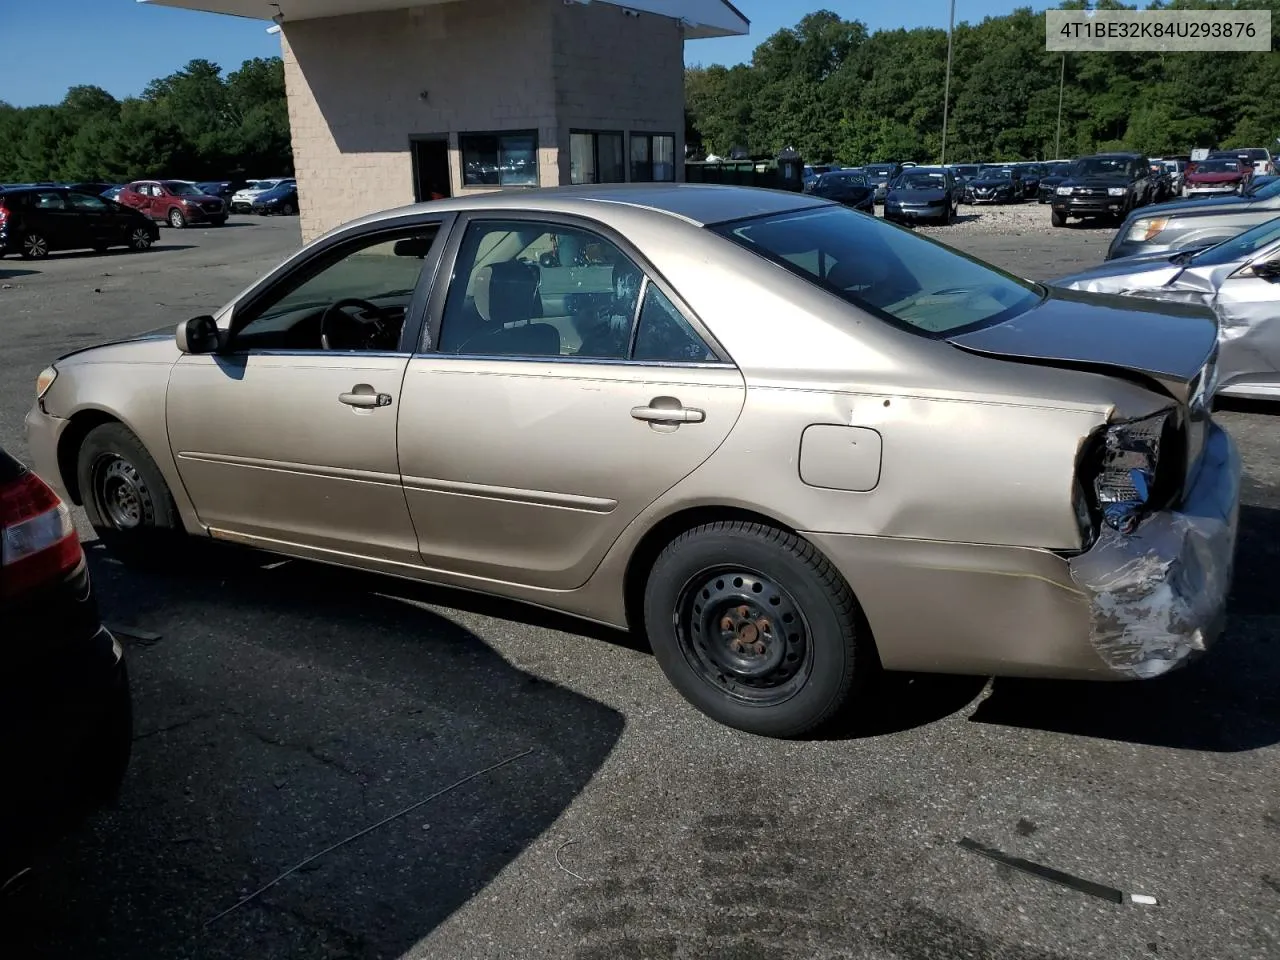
287, 706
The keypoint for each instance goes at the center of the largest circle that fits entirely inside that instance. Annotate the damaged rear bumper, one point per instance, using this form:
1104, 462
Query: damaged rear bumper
1158, 595
1132, 606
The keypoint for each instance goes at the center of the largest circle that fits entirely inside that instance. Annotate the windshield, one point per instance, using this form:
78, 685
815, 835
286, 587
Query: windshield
1240, 247
880, 169
997, 175
907, 280
968, 170
919, 181
181, 189
1058, 170
1218, 166
1101, 167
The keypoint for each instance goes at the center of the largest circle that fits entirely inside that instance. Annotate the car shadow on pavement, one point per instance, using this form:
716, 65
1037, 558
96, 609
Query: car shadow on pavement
1226, 702
277, 712
7, 274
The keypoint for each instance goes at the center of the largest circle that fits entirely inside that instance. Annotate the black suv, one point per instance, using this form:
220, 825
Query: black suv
37, 220
1104, 185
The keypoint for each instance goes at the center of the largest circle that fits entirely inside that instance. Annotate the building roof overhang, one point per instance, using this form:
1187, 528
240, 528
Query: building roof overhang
701, 18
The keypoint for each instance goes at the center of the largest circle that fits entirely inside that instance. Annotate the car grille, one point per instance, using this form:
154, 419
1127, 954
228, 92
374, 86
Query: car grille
213, 206
1088, 191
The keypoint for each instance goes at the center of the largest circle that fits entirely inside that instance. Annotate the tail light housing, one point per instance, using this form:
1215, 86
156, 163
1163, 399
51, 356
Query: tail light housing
1130, 468
4, 212
38, 541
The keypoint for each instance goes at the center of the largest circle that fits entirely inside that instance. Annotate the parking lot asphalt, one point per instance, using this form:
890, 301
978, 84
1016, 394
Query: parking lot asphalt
284, 707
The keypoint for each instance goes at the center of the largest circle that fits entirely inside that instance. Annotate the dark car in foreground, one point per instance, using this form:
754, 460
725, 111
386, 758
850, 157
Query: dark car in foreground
1104, 185
35, 221
1193, 224
996, 185
849, 187
65, 718
922, 194
282, 199
175, 202
1054, 175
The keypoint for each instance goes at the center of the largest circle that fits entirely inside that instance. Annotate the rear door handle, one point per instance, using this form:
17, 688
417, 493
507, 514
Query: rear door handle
669, 414
365, 399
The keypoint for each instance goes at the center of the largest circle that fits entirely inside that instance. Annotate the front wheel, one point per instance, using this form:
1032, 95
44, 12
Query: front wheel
177, 219
755, 628
1058, 219
126, 497
286, 208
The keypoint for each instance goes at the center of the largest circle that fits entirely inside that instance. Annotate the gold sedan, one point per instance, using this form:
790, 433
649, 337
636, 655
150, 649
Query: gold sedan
791, 443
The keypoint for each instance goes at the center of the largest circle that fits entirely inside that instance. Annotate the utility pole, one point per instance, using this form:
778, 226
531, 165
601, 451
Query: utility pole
1062, 79
946, 87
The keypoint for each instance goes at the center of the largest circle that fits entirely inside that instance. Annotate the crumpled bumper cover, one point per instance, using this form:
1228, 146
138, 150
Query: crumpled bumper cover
1158, 595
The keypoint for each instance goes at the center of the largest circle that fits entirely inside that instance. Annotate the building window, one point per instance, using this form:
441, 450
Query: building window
596, 158
653, 157
499, 159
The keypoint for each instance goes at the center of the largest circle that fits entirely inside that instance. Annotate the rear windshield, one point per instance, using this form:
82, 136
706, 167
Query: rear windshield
880, 169
1240, 247
910, 281
1218, 166
841, 179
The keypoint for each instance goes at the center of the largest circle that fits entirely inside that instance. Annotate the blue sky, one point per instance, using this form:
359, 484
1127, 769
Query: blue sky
121, 45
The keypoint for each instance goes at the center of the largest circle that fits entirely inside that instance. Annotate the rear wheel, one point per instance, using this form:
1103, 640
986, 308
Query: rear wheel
756, 629
177, 219
1058, 219
126, 497
140, 238
287, 209
35, 246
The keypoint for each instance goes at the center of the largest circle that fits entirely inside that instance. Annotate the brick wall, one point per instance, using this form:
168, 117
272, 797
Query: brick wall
618, 72
354, 86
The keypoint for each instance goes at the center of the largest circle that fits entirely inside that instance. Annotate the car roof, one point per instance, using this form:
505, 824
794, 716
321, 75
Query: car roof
696, 203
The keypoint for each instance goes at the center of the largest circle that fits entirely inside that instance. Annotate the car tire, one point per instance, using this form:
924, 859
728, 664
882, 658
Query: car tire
34, 246
126, 497
140, 239
1058, 219
286, 209
177, 219
784, 654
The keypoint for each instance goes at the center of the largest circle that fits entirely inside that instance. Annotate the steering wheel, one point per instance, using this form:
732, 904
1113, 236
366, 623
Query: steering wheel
371, 324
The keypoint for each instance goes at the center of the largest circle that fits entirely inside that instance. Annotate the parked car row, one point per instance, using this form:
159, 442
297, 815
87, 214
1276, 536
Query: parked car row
39, 219
913, 194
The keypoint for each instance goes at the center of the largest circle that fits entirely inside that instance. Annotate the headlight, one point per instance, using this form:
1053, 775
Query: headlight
1063, 191
1115, 191
1147, 228
44, 380
1123, 468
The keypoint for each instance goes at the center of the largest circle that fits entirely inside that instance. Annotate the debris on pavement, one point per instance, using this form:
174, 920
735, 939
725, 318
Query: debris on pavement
1102, 891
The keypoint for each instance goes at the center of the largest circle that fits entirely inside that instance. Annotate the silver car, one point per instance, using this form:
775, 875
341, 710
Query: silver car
1239, 279
1193, 224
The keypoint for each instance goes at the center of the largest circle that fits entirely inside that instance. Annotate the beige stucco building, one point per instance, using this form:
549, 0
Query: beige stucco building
392, 101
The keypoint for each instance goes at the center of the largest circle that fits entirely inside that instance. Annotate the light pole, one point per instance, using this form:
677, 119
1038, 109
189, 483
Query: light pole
1057, 139
946, 85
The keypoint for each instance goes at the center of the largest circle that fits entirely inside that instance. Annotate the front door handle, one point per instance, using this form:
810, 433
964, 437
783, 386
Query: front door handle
363, 396
674, 414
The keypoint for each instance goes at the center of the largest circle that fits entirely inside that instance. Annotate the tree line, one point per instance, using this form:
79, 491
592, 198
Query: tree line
195, 123
827, 87
836, 92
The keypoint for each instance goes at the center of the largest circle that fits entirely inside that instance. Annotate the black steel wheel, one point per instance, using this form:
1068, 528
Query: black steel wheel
743, 634
755, 628
126, 497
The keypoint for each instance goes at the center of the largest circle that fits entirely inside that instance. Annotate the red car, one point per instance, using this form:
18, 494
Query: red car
1216, 177
175, 202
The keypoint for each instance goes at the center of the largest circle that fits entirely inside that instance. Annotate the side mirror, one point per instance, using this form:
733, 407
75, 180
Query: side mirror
198, 335
1269, 271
